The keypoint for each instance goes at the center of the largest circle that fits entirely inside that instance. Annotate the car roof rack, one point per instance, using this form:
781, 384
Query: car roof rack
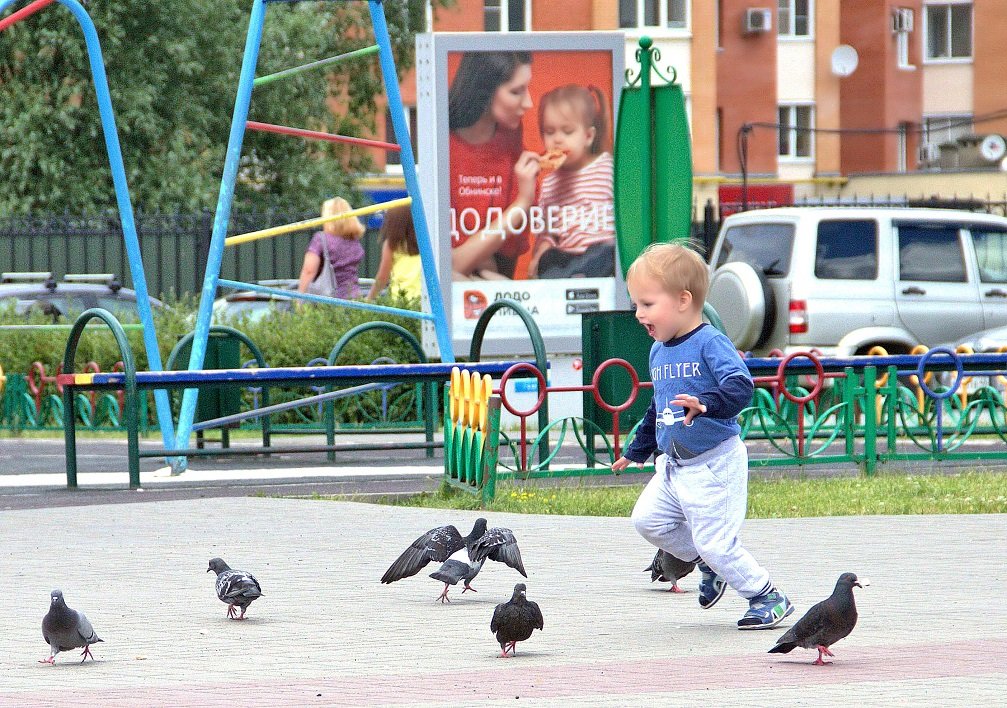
24, 276
109, 279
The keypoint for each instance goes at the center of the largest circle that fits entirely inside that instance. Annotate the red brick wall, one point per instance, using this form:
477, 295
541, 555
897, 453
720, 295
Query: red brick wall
878, 94
746, 88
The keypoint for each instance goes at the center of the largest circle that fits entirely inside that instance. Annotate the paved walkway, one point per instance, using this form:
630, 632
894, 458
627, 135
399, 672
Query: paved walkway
933, 624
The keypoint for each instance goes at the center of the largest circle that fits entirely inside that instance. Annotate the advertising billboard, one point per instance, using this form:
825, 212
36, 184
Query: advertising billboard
515, 136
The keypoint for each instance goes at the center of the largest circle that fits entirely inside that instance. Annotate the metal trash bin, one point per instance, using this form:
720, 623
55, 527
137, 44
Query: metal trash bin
223, 351
615, 335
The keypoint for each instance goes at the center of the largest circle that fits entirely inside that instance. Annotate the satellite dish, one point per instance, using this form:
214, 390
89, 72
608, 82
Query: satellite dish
993, 148
844, 60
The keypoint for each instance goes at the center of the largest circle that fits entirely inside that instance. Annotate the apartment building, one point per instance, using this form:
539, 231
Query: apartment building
919, 74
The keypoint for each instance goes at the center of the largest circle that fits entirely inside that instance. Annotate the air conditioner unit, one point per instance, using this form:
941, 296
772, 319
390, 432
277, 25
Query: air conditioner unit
930, 154
758, 20
902, 20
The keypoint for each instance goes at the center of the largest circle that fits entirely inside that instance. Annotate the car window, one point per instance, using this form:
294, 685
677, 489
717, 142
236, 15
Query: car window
118, 306
930, 252
766, 246
847, 250
991, 253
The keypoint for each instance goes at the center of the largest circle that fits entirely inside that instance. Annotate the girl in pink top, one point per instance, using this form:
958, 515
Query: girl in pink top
577, 198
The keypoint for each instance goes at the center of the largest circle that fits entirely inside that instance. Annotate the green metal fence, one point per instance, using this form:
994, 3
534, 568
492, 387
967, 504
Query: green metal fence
858, 411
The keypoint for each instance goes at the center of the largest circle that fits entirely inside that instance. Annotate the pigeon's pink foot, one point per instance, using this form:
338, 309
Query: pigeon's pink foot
444, 595
232, 611
822, 651
51, 660
674, 588
86, 653
504, 655
467, 588
242, 614
513, 648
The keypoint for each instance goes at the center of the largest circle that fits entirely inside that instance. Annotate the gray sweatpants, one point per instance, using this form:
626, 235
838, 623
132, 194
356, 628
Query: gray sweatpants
692, 508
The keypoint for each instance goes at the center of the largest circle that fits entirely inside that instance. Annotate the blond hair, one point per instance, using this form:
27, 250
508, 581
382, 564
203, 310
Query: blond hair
675, 267
348, 228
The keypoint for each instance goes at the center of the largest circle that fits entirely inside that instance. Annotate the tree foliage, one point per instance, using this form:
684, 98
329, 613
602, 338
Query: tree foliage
173, 69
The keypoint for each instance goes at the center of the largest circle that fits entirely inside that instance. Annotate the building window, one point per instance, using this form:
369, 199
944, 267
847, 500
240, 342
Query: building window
670, 14
946, 128
506, 15
948, 30
796, 131
393, 159
793, 18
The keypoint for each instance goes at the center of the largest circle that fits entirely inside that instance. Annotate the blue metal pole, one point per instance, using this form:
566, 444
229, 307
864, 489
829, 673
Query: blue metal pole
391, 79
124, 203
310, 297
220, 220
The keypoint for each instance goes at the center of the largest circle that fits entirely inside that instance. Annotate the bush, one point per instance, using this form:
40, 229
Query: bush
285, 338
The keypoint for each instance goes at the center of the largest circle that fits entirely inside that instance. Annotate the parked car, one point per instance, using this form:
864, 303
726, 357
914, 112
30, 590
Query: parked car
988, 341
256, 305
844, 279
40, 292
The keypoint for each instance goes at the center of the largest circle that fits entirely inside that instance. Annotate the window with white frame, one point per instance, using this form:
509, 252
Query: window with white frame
793, 18
946, 128
948, 30
669, 14
796, 131
506, 15
393, 159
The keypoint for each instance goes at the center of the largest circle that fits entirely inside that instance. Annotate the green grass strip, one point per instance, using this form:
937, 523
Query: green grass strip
966, 493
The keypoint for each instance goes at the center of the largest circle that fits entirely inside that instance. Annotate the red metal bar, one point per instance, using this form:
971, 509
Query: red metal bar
26, 11
317, 135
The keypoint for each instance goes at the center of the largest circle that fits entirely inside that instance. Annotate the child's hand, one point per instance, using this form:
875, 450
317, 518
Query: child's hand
526, 171
622, 463
691, 405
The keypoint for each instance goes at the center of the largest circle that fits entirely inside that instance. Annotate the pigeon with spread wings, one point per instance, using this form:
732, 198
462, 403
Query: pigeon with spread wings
461, 557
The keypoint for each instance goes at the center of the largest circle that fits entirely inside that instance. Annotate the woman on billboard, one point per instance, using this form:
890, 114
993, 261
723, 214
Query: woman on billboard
493, 178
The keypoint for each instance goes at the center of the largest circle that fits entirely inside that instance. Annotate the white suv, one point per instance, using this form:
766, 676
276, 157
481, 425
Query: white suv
844, 279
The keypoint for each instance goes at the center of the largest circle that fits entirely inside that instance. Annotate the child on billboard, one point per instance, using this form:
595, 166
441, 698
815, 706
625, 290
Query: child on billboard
576, 198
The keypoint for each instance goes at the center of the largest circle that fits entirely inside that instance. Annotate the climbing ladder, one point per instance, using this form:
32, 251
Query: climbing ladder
239, 124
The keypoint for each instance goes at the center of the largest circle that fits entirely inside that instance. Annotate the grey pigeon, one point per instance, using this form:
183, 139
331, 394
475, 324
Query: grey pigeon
666, 567
515, 620
825, 623
461, 557
64, 629
234, 587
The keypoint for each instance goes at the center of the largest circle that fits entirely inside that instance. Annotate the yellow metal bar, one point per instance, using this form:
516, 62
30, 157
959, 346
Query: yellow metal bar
312, 223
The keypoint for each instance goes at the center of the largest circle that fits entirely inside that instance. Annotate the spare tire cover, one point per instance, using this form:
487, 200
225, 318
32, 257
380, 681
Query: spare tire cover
738, 294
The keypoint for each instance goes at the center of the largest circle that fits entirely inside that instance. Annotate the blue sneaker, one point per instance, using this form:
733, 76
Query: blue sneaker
766, 611
711, 586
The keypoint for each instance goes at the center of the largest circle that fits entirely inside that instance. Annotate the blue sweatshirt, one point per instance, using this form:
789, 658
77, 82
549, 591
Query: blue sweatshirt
702, 363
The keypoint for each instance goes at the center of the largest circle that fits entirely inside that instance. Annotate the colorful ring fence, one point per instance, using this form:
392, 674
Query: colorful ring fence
864, 411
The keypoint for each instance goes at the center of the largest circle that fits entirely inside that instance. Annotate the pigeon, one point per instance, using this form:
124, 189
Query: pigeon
235, 587
64, 629
825, 623
515, 620
666, 567
461, 557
